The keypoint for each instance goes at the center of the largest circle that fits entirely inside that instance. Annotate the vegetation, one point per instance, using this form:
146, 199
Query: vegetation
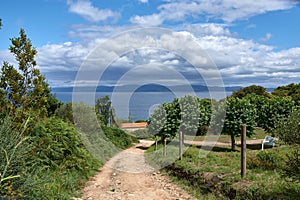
188, 114
253, 89
287, 130
271, 173
238, 112
217, 176
24, 88
49, 149
105, 112
291, 90
46, 149
142, 134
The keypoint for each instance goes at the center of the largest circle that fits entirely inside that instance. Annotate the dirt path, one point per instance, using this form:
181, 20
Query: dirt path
128, 177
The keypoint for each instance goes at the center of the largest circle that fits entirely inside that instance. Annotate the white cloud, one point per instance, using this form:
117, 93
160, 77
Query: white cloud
267, 37
227, 10
150, 20
85, 9
240, 61
143, 1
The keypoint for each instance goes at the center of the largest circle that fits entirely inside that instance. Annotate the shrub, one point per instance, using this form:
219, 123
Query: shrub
292, 167
118, 137
57, 143
287, 130
265, 160
142, 134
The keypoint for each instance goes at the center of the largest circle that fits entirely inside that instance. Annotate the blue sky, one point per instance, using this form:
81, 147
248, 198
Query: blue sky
251, 42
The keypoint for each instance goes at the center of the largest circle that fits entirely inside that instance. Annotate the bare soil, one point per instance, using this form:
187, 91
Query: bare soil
128, 177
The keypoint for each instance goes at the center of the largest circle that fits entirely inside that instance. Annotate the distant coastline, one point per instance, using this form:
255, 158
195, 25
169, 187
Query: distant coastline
150, 88
146, 88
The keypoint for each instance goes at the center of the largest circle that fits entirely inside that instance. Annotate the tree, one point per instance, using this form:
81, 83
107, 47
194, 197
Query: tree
3, 101
287, 130
291, 90
273, 110
238, 112
253, 89
24, 87
165, 120
65, 112
157, 121
189, 115
259, 103
186, 114
205, 107
103, 110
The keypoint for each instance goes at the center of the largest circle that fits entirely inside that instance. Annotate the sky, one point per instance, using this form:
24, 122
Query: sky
241, 42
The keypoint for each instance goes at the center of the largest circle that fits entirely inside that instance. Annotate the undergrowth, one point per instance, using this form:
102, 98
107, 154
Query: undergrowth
50, 160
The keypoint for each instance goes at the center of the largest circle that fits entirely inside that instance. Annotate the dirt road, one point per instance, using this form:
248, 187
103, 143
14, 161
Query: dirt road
128, 177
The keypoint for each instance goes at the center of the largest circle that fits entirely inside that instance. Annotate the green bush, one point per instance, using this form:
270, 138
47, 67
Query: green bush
142, 134
292, 166
265, 160
118, 137
287, 130
49, 163
57, 144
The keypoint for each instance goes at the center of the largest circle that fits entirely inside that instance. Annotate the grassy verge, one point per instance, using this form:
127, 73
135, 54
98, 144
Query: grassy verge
217, 176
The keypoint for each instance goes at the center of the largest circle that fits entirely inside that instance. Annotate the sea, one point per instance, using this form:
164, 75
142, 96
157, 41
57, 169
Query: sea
136, 105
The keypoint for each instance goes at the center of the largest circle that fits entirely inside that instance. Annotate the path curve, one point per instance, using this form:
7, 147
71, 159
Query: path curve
128, 177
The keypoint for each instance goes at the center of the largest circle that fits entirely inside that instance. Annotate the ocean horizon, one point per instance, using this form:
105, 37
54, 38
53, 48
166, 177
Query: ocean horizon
137, 105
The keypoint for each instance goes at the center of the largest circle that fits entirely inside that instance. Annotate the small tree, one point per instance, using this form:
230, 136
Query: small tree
238, 112
273, 110
205, 108
24, 88
165, 120
103, 110
259, 103
189, 114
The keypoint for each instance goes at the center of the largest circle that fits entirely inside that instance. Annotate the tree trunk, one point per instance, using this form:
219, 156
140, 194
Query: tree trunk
232, 142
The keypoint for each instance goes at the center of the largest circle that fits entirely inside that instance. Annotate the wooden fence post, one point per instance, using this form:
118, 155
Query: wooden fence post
180, 145
243, 151
165, 147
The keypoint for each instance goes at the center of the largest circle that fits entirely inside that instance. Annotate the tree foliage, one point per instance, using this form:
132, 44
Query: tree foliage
23, 87
65, 112
291, 90
103, 110
253, 89
187, 114
238, 112
287, 130
273, 110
